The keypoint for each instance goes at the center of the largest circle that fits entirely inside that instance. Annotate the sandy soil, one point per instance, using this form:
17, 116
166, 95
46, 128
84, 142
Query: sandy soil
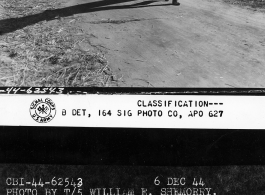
201, 43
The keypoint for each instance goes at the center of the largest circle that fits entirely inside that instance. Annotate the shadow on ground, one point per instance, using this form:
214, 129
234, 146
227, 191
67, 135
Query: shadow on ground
13, 24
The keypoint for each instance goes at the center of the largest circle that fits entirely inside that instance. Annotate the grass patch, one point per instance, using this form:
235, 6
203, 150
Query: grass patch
48, 53
256, 4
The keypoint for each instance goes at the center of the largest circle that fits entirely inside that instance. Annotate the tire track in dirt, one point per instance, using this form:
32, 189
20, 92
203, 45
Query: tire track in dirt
201, 43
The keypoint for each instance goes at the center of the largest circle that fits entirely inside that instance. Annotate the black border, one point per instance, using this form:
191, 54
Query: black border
131, 147
132, 91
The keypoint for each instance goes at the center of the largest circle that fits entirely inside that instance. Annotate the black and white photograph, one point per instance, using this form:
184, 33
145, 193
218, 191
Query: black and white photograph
132, 43
132, 97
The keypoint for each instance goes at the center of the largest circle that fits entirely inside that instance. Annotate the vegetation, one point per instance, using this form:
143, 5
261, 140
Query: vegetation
45, 53
256, 4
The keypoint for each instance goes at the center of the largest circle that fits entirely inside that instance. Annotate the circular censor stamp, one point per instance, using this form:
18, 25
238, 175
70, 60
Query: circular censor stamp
42, 110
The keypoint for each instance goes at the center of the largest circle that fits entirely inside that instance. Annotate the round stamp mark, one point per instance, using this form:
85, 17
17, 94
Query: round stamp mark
42, 111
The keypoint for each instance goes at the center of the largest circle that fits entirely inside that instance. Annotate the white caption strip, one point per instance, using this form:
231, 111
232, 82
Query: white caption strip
139, 111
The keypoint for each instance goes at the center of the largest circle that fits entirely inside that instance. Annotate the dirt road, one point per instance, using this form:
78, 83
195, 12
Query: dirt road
201, 43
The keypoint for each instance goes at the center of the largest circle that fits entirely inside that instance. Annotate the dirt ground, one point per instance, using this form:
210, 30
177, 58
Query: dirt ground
201, 43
